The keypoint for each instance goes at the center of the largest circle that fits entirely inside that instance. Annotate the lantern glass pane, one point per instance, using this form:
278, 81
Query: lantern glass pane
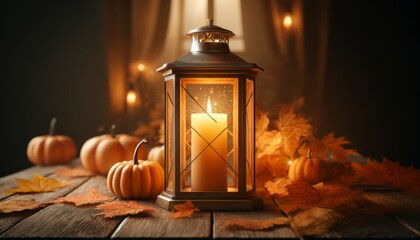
170, 135
250, 137
208, 135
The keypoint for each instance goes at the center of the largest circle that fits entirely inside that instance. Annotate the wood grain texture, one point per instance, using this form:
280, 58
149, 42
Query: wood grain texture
366, 219
403, 206
9, 219
64, 220
157, 224
221, 231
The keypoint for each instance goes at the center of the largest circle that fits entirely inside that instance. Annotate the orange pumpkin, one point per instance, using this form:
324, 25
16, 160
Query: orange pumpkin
157, 154
313, 170
51, 149
99, 153
136, 179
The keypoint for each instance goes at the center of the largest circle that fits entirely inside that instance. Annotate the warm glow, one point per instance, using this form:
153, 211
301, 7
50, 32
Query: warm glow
290, 162
287, 21
209, 110
131, 97
141, 67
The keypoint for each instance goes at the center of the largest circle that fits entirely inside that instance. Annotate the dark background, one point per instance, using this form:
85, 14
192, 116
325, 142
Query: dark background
54, 65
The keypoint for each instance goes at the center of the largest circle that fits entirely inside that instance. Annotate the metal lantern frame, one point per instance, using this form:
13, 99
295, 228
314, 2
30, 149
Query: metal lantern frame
210, 62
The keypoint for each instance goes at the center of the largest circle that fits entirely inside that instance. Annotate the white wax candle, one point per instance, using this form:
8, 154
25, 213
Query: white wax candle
209, 170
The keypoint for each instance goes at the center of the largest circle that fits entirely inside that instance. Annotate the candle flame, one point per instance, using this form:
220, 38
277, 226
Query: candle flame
131, 97
287, 21
209, 110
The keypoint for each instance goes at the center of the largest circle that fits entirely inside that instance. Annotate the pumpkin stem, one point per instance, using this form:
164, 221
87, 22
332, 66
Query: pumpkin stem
308, 154
303, 141
135, 160
52, 126
113, 130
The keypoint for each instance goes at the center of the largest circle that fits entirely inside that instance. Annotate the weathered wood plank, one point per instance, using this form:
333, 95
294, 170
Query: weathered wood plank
65, 220
367, 221
9, 180
157, 224
221, 231
7, 220
404, 207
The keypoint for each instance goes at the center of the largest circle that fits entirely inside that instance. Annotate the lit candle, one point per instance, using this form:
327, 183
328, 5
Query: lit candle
209, 169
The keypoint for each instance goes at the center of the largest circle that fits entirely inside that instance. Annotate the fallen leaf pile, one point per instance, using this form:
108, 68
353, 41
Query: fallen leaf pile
183, 210
122, 208
38, 183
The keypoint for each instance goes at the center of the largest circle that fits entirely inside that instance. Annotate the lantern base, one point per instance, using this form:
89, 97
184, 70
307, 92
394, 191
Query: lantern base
166, 201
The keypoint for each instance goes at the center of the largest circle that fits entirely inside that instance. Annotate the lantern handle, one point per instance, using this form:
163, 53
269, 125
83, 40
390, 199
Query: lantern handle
135, 160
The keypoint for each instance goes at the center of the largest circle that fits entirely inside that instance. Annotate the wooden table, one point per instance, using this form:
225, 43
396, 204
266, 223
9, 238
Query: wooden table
401, 220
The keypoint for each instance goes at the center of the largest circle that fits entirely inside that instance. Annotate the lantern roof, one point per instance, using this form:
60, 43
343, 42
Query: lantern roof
210, 51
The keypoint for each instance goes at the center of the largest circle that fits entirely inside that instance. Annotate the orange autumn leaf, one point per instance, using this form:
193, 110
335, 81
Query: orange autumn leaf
73, 172
256, 224
275, 164
183, 210
325, 195
314, 221
292, 128
122, 208
92, 197
15, 205
389, 173
335, 146
38, 183
278, 187
293, 107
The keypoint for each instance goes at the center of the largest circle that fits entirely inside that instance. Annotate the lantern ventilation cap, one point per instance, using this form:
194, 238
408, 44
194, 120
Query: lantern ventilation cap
210, 38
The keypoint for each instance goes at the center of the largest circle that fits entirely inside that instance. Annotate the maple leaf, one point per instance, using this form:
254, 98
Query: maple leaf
15, 205
292, 128
389, 173
293, 107
122, 208
92, 197
314, 221
183, 210
256, 224
275, 165
326, 195
38, 183
331, 148
73, 172
278, 187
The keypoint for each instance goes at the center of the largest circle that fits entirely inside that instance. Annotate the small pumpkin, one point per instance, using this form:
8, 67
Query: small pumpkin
51, 149
99, 153
136, 179
157, 154
313, 170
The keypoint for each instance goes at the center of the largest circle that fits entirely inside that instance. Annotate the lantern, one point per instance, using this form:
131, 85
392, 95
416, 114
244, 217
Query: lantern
210, 126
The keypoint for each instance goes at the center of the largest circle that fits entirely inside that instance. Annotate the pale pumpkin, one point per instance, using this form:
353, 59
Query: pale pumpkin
136, 179
99, 153
51, 149
307, 168
157, 154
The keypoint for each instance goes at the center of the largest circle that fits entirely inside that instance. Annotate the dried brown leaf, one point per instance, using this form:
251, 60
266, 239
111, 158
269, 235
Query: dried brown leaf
38, 183
183, 210
92, 197
122, 208
278, 187
389, 173
73, 172
15, 205
314, 221
256, 224
292, 128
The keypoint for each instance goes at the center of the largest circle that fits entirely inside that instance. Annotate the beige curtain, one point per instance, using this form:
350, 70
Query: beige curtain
136, 33
303, 49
